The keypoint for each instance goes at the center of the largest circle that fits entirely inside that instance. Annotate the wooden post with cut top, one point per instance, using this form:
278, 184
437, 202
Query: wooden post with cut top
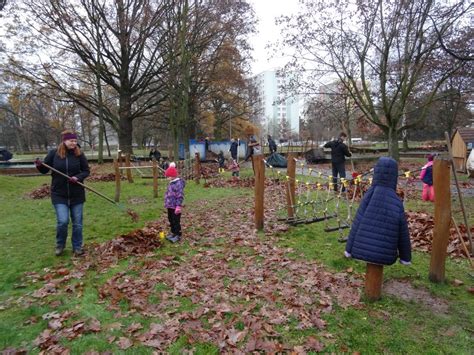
442, 219
117, 180
259, 190
373, 281
129, 171
155, 178
291, 185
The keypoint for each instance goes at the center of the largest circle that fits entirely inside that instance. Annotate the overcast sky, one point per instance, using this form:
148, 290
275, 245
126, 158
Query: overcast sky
266, 11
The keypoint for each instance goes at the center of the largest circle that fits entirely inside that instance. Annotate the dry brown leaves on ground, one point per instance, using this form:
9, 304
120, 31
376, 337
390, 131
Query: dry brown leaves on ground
242, 287
421, 227
240, 182
41, 192
239, 287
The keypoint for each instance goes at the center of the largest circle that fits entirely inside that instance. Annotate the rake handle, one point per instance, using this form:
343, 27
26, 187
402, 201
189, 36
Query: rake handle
80, 183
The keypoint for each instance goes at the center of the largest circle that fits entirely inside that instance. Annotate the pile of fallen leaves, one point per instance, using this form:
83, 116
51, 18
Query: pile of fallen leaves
209, 170
421, 227
41, 192
138, 242
248, 182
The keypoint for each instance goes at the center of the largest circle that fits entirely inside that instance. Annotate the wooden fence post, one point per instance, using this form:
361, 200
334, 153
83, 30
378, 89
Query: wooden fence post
442, 219
259, 190
117, 180
197, 167
155, 178
373, 281
290, 191
129, 171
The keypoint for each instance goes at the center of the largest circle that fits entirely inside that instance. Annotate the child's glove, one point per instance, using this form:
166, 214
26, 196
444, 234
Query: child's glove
177, 210
73, 180
347, 255
403, 262
38, 162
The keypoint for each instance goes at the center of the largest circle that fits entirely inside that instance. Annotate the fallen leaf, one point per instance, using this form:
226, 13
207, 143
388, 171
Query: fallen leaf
124, 343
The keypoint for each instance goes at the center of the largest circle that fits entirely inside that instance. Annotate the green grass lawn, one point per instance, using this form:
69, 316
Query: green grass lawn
392, 325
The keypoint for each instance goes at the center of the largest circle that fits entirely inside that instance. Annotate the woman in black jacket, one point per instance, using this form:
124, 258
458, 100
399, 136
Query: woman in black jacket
67, 195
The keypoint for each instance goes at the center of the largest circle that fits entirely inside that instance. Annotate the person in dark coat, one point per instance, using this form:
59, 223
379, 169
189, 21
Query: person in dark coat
339, 152
67, 195
155, 153
221, 161
234, 147
271, 145
379, 234
165, 164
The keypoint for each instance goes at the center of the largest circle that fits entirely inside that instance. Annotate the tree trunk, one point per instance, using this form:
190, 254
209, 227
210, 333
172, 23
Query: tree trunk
125, 125
218, 129
405, 143
405, 133
100, 157
392, 140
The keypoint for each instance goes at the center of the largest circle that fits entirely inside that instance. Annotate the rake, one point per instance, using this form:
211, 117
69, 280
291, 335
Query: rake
130, 212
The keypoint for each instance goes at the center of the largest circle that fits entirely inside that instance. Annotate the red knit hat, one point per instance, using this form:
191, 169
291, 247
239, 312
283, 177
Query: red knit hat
171, 171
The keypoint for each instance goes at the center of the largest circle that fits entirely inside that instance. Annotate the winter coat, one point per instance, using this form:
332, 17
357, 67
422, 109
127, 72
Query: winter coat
379, 233
272, 145
234, 166
174, 195
155, 154
339, 151
428, 190
234, 146
63, 191
221, 160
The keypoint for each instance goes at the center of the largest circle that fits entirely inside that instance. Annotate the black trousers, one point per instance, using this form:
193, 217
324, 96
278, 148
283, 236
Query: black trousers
175, 222
338, 169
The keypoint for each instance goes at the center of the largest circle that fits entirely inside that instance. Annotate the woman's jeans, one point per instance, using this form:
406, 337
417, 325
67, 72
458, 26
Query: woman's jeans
62, 217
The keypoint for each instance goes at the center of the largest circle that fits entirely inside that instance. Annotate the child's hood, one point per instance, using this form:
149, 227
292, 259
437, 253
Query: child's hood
386, 173
178, 181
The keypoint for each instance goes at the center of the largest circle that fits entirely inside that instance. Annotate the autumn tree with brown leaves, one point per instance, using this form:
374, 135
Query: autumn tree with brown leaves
119, 41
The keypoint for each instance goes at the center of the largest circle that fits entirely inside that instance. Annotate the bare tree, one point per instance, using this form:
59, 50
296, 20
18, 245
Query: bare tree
382, 52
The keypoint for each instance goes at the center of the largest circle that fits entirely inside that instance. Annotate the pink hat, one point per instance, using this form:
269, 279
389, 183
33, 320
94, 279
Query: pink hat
171, 172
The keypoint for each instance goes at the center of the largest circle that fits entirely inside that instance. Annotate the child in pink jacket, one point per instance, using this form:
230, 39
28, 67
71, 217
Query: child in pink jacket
426, 176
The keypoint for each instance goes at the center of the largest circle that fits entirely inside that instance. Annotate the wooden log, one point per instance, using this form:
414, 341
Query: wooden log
155, 178
442, 219
117, 180
373, 281
259, 190
291, 187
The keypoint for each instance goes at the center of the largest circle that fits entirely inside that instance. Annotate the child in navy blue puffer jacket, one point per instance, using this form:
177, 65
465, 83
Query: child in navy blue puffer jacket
379, 234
